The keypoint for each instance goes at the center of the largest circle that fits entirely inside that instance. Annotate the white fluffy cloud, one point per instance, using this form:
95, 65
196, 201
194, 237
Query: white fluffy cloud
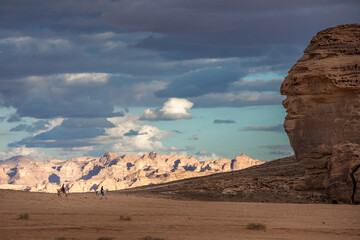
203, 156
173, 109
130, 135
86, 77
29, 152
71, 78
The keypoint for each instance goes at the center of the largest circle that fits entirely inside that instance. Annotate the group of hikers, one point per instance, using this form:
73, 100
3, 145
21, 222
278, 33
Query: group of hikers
66, 190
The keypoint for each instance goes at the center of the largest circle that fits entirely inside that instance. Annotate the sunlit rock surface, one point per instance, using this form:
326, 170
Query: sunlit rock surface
112, 171
323, 104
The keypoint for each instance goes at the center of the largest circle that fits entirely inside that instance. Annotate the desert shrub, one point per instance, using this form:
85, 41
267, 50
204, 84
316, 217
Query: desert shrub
151, 238
105, 238
256, 226
125, 218
24, 216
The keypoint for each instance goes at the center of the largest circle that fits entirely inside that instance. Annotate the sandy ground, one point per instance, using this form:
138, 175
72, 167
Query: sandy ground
83, 216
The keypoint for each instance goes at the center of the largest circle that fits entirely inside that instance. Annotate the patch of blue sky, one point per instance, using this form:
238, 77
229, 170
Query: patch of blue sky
264, 75
225, 140
6, 136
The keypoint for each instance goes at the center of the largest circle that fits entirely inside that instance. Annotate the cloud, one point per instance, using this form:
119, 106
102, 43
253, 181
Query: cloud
220, 121
100, 38
122, 138
81, 61
87, 123
259, 85
204, 156
177, 47
24, 151
59, 137
178, 17
131, 133
121, 135
22, 127
276, 128
59, 132
173, 109
84, 78
109, 46
199, 83
14, 118
238, 99
38, 126
61, 95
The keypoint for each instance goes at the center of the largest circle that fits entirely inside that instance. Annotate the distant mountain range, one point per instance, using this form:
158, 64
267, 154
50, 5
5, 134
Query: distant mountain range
112, 171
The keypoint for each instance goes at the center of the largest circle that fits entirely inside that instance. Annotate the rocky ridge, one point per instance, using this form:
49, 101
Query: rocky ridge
111, 170
323, 104
279, 181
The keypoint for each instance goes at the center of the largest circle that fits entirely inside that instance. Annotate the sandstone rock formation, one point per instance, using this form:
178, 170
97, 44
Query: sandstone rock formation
112, 171
323, 106
279, 181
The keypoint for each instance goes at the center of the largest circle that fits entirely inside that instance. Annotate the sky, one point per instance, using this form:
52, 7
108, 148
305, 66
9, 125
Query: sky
201, 78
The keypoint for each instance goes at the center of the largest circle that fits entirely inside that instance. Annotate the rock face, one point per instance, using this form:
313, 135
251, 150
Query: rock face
112, 171
280, 181
323, 106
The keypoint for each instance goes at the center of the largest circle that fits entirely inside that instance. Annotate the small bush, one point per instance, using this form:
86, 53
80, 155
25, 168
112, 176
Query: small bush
256, 226
105, 238
24, 216
151, 238
125, 218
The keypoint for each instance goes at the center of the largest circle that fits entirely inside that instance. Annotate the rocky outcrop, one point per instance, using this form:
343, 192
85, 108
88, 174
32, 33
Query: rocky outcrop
323, 104
111, 170
279, 181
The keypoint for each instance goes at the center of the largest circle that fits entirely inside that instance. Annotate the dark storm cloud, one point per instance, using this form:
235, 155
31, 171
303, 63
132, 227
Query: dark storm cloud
261, 85
276, 128
45, 39
87, 123
60, 133
180, 47
173, 16
56, 96
244, 28
61, 137
278, 16
220, 121
71, 143
72, 132
198, 83
33, 127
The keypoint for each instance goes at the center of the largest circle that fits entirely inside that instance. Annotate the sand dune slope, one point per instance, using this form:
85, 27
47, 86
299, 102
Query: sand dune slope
83, 216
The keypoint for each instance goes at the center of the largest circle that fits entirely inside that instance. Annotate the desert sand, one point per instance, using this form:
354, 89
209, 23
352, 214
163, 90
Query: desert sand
83, 216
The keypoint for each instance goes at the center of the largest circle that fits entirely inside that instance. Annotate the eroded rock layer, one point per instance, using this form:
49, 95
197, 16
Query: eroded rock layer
323, 106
